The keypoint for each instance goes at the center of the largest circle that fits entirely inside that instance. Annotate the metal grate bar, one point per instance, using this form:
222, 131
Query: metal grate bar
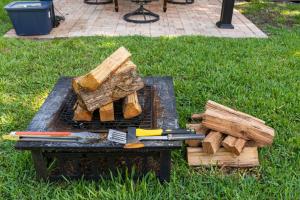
145, 120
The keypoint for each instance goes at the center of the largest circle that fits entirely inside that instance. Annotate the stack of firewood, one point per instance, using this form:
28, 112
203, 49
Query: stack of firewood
115, 78
232, 137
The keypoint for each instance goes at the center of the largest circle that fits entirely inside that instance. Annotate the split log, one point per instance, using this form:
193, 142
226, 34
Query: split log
233, 144
251, 143
122, 83
106, 112
101, 73
81, 114
212, 142
216, 106
197, 116
131, 106
228, 122
199, 129
75, 84
223, 158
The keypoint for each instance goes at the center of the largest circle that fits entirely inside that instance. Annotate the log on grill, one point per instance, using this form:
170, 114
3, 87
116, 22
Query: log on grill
114, 79
106, 112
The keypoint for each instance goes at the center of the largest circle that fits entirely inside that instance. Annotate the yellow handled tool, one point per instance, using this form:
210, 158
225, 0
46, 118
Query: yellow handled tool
158, 132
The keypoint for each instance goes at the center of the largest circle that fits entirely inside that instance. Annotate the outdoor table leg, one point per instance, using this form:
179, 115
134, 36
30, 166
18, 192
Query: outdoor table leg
116, 5
165, 5
226, 15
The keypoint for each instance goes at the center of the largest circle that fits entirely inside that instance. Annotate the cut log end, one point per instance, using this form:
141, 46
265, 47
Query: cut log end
233, 144
131, 106
75, 85
81, 114
199, 129
107, 113
197, 116
97, 76
212, 142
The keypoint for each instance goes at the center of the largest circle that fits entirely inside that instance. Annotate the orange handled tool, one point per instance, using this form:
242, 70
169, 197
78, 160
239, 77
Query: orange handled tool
54, 134
82, 137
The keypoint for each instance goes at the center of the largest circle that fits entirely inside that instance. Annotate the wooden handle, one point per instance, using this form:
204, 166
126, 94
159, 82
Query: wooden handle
134, 145
59, 134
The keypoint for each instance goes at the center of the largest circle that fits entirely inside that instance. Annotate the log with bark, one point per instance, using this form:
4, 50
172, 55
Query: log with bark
226, 120
120, 84
97, 76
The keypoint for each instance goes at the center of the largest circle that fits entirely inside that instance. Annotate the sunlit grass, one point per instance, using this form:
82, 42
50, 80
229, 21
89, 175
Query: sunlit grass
260, 77
291, 13
268, 14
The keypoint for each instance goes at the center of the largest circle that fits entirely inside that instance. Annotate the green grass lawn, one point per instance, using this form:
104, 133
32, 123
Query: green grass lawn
257, 76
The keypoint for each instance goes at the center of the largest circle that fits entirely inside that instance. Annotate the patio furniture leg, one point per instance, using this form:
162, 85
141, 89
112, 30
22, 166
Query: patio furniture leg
97, 2
181, 2
116, 5
226, 15
165, 5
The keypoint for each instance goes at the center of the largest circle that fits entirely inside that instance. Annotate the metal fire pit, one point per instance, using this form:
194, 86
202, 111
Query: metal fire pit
54, 161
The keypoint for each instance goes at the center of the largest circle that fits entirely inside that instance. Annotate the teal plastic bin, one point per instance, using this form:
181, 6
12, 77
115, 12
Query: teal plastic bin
31, 17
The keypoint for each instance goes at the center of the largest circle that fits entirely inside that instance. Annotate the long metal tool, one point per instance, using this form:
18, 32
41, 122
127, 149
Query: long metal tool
174, 137
81, 137
135, 137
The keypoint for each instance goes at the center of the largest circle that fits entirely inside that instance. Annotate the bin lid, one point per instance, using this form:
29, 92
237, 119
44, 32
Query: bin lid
28, 5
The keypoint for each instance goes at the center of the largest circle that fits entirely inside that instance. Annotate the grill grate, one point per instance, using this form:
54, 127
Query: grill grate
145, 120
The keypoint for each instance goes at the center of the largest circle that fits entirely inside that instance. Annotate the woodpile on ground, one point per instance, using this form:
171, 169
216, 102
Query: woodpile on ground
232, 137
114, 79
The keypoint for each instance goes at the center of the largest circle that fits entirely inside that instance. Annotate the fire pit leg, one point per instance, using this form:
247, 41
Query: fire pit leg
39, 164
165, 166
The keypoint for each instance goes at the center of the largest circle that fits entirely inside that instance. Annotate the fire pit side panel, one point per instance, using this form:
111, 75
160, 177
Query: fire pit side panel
51, 106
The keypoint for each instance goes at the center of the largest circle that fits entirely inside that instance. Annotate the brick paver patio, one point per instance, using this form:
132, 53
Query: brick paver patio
192, 19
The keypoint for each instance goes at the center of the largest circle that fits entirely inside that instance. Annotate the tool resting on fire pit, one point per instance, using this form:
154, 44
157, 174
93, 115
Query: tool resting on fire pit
81, 137
135, 137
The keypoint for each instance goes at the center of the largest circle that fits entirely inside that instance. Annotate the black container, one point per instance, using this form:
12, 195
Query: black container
31, 17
